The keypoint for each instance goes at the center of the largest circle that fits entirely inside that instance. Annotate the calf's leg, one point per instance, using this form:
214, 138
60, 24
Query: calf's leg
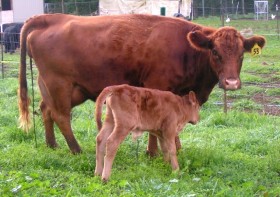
162, 84
169, 152
152, 148
101, 140
112, 144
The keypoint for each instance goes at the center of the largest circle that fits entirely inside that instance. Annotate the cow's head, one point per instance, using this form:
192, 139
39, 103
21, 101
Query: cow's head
226, 47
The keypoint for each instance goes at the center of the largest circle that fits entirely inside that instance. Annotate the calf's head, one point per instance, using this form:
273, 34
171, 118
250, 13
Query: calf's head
193, 110
225, 48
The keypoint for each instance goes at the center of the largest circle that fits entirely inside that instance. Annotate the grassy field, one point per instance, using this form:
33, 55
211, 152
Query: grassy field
233, 154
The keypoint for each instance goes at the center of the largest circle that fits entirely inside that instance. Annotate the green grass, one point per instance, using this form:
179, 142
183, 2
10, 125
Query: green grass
233, 154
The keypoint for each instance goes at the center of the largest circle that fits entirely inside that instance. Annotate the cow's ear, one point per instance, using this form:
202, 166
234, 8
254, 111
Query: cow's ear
250, 42
199, 40
192, 98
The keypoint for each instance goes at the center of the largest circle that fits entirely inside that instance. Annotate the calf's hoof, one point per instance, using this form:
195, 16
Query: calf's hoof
96, 173
104, 180
175, 173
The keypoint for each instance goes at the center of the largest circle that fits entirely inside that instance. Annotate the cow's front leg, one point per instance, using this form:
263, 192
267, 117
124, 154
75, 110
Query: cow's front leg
178, 143
152, 149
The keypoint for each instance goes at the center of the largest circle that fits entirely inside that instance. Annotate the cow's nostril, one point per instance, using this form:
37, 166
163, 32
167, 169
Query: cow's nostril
231, 81
232, 84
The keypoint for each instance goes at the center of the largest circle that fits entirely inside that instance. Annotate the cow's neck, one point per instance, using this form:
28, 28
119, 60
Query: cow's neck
206, 79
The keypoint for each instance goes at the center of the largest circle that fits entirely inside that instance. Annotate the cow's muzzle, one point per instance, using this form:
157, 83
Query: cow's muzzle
230, 84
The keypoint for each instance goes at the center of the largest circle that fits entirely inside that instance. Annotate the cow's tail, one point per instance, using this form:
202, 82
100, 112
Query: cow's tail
99, 104
23, 99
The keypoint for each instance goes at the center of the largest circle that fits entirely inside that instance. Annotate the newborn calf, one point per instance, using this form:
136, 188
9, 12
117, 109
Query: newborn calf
134, 109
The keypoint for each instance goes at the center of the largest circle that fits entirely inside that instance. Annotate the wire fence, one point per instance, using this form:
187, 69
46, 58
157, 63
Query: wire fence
225, 9
77, 8
266, 103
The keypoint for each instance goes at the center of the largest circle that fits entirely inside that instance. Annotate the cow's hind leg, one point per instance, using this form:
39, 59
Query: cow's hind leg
56, 95
62, 119
48, 123
46, 113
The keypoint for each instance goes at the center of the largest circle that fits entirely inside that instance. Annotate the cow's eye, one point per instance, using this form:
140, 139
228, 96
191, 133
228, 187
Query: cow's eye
216, 55
214, 52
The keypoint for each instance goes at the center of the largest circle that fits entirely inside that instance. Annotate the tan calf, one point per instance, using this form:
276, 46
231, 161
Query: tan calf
134, 109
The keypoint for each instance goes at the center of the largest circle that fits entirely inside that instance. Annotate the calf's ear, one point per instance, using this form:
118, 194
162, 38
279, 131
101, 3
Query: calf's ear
192, 98
199, 40
250, 42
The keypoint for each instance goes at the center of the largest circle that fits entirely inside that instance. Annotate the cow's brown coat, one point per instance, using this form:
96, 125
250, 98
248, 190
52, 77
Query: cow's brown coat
79, 56
135, 109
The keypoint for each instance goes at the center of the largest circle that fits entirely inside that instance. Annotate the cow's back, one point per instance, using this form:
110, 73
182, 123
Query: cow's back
96, 52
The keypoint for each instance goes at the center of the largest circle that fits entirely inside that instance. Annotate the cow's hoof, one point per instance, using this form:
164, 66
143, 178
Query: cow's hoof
151, 153
53, 145
76, 151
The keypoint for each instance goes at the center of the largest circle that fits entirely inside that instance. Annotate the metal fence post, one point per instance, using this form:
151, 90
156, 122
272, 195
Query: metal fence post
277, 18
222, 13
2, 56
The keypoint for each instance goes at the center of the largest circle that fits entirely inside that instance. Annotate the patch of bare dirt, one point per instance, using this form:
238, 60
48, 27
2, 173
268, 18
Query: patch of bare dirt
269, 107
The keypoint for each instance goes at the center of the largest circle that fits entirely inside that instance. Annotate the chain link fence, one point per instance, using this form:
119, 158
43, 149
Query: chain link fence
77, 8
234, 8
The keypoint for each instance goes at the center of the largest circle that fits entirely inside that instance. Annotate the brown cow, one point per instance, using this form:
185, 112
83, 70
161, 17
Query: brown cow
139, 109
77, 57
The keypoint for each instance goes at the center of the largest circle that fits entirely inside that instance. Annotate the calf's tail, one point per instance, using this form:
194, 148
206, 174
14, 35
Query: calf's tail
99, 104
